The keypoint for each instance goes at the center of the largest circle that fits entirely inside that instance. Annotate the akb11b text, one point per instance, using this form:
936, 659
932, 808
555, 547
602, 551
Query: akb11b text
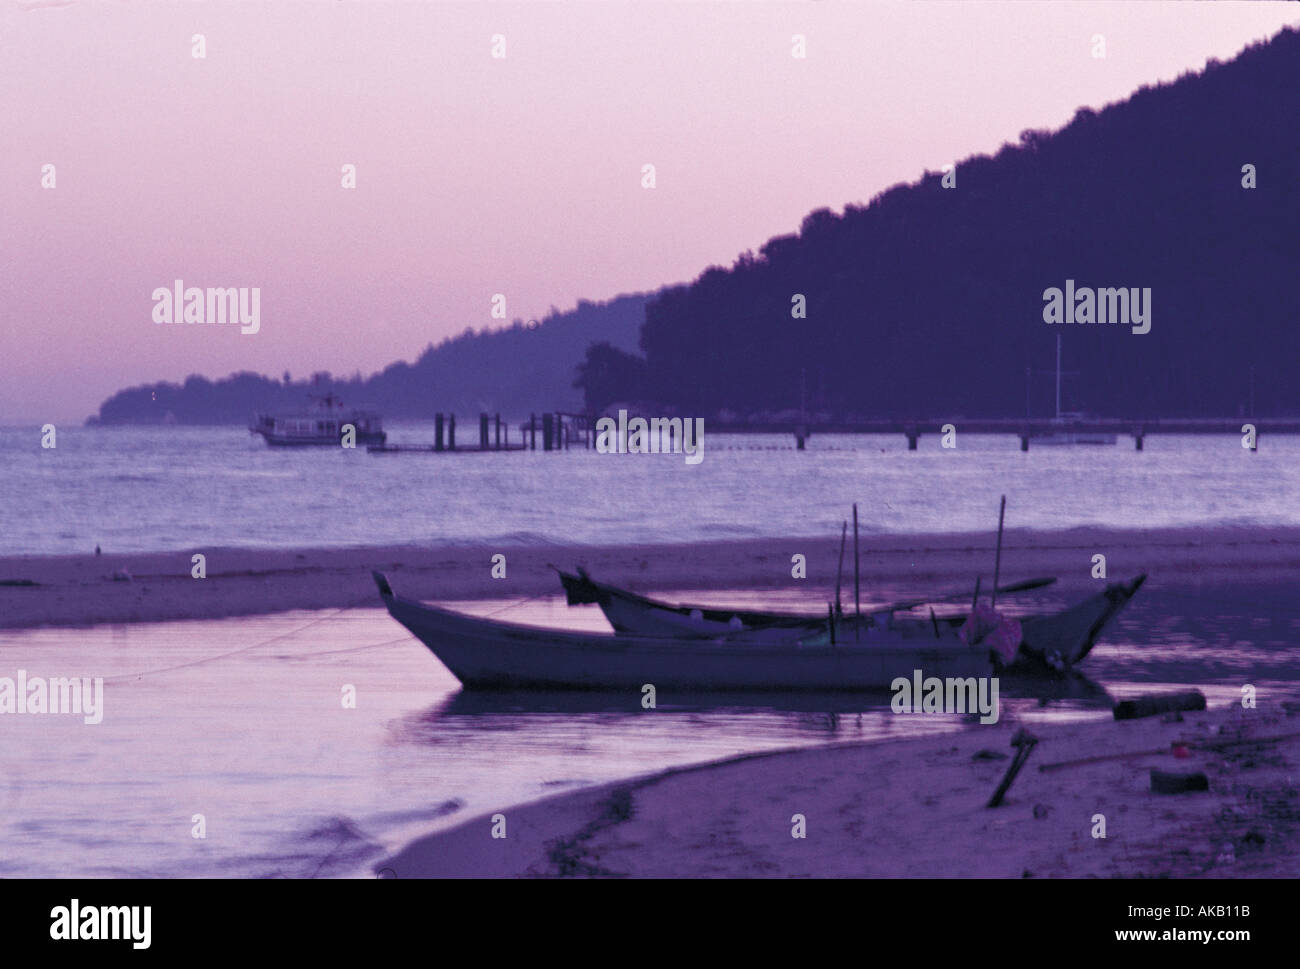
1188, 911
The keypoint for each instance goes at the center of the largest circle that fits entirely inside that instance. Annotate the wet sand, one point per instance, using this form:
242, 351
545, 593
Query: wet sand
905, 808
82, 590
917, 809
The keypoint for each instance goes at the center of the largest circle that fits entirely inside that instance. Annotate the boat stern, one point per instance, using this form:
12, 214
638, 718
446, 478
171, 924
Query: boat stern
579, 590
1061, 641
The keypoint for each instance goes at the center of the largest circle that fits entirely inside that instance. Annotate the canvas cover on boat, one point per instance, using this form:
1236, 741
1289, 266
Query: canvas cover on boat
1000, 633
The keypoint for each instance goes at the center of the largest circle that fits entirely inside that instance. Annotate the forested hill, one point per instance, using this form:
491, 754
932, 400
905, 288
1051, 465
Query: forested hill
513, 371
929, 300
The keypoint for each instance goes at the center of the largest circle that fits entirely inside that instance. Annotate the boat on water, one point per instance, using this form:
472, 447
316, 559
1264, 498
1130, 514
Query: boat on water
325, 424
1065, 435
1058, 641
485, 654
1065, 431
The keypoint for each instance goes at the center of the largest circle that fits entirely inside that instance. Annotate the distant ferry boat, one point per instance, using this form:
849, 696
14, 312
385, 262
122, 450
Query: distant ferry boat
322, 426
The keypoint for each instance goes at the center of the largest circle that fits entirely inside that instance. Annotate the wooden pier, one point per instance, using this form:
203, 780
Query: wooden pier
1025, 428
559, 432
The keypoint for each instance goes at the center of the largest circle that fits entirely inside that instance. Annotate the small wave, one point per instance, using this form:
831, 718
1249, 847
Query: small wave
248, 473
524, 538
720, 529
334, 847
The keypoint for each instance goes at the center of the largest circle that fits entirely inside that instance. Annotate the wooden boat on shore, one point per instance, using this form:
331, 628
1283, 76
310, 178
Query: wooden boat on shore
491, 655
1057, 640
1062, 640
638, 615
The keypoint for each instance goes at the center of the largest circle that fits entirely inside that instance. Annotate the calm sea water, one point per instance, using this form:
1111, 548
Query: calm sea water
242, 722
157, 489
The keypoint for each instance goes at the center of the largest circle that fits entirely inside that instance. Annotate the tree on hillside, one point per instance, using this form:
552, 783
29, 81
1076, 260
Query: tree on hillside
928, 301
608, 374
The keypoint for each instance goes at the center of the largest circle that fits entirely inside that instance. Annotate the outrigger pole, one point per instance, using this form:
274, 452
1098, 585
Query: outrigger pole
839, 571
997, 561
857, 600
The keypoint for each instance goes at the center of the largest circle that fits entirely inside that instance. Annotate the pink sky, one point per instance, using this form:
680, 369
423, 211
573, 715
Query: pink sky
479, 176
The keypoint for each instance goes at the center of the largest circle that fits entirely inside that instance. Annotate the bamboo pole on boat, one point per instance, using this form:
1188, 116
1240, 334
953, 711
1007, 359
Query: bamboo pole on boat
857, 587
1023, 586
997, 561
839, 570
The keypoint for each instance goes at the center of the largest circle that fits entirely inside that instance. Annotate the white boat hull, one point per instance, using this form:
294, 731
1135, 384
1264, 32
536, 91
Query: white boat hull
483, 654
1059, 640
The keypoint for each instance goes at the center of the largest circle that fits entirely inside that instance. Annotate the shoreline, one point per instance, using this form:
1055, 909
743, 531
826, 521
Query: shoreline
916, 808
80, 590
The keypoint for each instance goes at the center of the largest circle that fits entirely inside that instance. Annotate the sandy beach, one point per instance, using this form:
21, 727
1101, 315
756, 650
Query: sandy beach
899, 808
917, 809
82, 590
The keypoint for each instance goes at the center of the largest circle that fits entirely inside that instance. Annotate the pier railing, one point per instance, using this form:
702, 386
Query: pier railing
555, 431
1025, 428
560, 431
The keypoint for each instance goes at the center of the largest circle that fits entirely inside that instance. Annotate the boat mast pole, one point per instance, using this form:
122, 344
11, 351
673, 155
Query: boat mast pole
997, 560
839, 570
857, 601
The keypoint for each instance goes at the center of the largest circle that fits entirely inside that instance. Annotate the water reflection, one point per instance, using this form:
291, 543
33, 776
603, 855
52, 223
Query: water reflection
241, 720
1085, 692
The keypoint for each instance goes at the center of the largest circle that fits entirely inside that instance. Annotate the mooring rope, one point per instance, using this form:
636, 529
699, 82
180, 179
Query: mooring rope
520, 602
243, 649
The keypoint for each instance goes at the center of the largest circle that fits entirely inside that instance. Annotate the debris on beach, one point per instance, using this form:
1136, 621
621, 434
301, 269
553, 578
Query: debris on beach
926, 815
1024, 742
1170, 782
1150, 706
